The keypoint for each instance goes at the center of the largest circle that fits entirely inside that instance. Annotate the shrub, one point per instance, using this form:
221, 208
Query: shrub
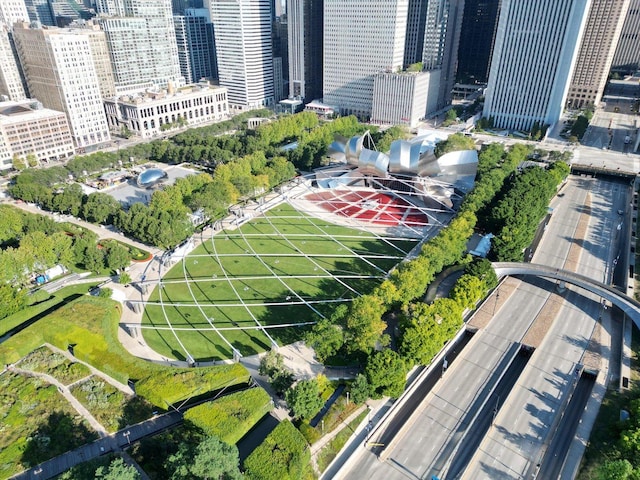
283, 455
232, 416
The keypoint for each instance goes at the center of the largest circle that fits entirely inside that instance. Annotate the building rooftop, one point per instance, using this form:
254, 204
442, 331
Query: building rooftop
152, 96
16, 112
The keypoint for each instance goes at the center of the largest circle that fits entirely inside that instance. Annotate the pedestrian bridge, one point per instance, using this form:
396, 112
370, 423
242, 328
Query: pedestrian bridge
628, 305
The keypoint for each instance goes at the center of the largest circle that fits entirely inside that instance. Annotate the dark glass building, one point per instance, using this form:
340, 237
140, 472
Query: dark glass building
479, 25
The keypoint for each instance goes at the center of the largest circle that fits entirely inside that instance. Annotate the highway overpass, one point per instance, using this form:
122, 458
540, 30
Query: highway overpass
628, 305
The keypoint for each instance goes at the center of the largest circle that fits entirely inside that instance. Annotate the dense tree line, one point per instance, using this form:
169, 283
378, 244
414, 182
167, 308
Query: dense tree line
32, 243
517, 214
358, 330
242, 165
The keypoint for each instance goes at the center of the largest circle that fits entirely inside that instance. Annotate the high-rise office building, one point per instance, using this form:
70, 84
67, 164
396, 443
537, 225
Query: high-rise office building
627, 56
12, 11
196, 50
142, 43
61, 73
305, 49
244, 51
535, 51
414, 38
41, 11
100, 54
11, 80
479, 24
351, 60
26, 128
441, 40
597, 48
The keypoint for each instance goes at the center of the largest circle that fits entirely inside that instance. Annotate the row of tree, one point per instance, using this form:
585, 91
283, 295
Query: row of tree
518, 212
359, 330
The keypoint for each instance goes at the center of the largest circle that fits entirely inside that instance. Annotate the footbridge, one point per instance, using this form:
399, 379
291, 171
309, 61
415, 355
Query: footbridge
627, 304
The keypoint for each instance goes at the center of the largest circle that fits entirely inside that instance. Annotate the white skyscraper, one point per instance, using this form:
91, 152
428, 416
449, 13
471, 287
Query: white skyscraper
535, 50
245, 52
361, 38
60, 72
11, 81
12, 11
142, 43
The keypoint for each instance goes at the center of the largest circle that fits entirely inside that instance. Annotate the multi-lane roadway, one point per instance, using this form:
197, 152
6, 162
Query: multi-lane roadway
586, 235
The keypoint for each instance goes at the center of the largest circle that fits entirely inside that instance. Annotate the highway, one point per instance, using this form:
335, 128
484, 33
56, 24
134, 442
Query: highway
521, 431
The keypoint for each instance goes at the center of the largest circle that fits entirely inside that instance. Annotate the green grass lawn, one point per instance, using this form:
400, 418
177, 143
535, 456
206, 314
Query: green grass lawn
41, 303
90, 324
243, 265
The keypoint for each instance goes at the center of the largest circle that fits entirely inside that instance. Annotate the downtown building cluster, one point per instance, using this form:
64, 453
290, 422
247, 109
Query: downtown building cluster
142, 67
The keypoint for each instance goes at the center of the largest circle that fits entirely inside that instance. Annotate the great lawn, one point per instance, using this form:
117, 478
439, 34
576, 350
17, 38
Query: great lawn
282, 268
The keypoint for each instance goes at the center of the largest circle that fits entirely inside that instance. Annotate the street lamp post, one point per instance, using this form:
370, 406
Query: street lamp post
126, 434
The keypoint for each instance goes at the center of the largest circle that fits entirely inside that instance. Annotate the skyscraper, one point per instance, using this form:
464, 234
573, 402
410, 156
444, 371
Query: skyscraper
627, 56
244, 51
12, 83
142, 43
441, 40
196, 50
351, 60
40, 11
479, 24
12, 11
60, 71
535, 51
597, 48
414, 38
305, 49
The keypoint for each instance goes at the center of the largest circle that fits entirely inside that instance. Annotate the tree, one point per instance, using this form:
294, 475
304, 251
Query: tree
105, 292
93, 258
364, 324
615, 470
455, 142
272, 366
304, 398
117, 257
386, 372
19, 163
12, 300
117, 470
283, 455
467, 291
10, 223
124, 278
325, 338
360, 389
215, 459
100, 208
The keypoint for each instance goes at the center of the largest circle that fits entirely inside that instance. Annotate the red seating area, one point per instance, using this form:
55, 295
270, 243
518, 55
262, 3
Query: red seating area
372, 207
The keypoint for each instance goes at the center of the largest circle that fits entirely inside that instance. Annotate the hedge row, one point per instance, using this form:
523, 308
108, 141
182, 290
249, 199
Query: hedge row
283, 455
232, 416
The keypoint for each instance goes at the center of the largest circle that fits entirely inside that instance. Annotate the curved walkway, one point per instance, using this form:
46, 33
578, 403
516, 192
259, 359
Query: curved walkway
627, 304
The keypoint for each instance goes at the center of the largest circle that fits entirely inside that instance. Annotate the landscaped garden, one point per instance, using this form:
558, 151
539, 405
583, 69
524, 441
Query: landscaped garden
283, 268
89, 326
37, 423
